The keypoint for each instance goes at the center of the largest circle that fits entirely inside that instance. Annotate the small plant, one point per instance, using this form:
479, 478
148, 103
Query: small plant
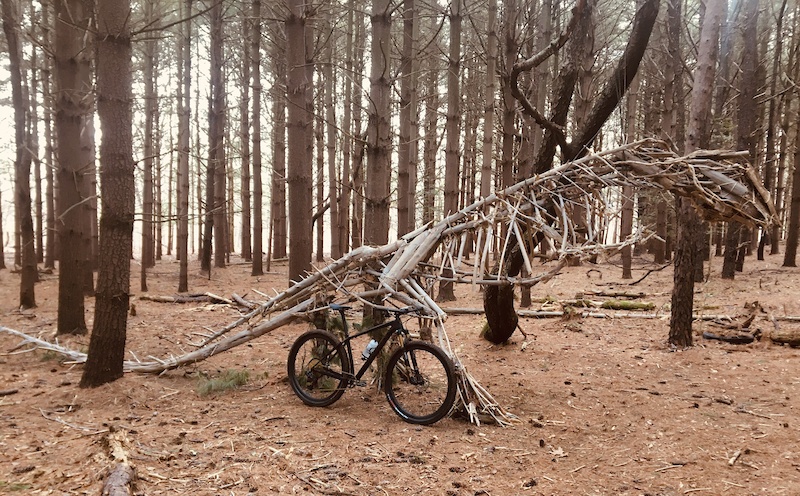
230, 379
14, 486
47, 356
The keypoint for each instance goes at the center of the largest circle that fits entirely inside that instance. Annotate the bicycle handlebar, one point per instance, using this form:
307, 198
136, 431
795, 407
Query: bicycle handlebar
396, 311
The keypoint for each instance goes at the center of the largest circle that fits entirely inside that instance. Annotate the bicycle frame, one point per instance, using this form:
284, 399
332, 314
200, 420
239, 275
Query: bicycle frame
394, 327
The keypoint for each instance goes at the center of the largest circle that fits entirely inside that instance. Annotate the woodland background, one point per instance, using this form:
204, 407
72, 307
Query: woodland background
302, 130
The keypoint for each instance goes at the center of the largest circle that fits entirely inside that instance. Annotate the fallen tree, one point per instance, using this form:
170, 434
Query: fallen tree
403, 273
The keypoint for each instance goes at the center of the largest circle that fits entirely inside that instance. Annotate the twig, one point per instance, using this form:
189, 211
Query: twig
72, 426
668, 467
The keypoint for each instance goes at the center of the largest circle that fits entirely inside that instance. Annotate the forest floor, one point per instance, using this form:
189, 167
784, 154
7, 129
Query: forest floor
605, 407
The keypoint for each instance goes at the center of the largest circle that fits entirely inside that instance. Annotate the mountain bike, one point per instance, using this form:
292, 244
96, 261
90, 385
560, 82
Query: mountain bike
419, 379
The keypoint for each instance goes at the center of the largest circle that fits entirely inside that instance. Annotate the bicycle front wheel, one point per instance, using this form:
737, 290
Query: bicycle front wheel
420, 383
318, 368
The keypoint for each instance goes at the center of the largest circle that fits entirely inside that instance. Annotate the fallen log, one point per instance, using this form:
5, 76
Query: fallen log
627, 305
119, 481
122, 475
736, 338
191, 298
790, 337
612, 294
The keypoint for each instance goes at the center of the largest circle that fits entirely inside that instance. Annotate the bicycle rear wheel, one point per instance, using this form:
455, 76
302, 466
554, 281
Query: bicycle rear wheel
318, 368
420, 383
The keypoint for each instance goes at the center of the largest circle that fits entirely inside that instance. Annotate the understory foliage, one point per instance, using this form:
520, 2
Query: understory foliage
229, 379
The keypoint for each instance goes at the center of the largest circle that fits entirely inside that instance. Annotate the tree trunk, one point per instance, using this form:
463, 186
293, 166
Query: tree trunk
89, 186
790, 255
150, 103
453, 129
50, 223
680, 324
216, 139
184, 120
772, 117
357, 224
343, 226
22, 160
258, 194
72, 104
605, 103
733, 237
490, 93
33, 124
780, 186
278, 179
336, 181
299, 127
114, 92
377, 190
745, 129
509, 104
244, 137
431, 141
626, 218
407, 147
319, 182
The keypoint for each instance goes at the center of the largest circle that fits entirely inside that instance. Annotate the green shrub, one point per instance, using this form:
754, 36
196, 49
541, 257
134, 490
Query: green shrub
230, 379
14, 486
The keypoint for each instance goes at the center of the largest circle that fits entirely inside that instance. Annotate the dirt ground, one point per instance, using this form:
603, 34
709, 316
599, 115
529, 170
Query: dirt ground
604, 406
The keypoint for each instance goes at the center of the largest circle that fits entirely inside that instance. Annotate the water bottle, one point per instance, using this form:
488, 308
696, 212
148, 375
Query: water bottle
369, 349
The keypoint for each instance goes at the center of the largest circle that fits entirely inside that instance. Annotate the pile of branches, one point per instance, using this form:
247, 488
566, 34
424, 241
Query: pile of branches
546, 206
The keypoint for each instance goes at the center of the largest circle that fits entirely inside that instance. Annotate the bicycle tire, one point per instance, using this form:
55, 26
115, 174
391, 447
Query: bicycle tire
420, 383
318, 366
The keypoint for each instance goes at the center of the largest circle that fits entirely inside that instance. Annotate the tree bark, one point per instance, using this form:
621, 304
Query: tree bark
150, 103
299, 127
278, 219
72, 103
184, 120
430, 144
680, 325
793, 231
50, 223
258, 194
114, 96
745, 128
780, 186
343, 226
490, 92
626, 217
770, 157
377, 190
336, 181
453, 130
217, 124
22, 160
244, 137
357, 221
407, 147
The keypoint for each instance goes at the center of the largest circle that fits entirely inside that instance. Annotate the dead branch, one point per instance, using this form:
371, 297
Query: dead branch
541, 208
191, 298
